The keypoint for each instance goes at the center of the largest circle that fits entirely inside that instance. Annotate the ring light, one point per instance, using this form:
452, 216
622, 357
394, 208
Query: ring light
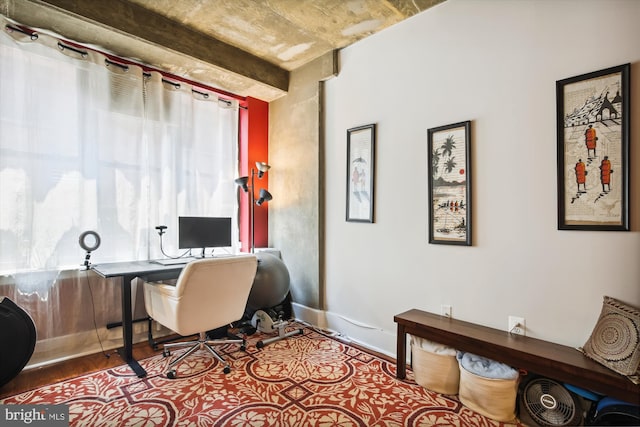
85, 241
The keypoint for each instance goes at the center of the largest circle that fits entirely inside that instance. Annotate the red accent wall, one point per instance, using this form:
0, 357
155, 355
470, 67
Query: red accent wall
254, 147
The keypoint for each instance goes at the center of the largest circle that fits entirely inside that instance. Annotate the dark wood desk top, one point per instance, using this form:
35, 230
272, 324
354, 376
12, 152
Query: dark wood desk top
144, 268
135, 268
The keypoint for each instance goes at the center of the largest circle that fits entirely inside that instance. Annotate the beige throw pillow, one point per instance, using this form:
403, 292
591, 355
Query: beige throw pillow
615, 340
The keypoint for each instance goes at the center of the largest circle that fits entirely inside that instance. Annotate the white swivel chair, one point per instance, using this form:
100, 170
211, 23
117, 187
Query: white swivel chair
209, 294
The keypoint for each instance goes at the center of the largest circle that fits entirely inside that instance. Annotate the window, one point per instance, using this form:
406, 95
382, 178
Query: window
86, 144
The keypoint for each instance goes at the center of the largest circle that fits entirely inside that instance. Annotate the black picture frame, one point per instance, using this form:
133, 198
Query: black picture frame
449, 187
593, 121
361, 147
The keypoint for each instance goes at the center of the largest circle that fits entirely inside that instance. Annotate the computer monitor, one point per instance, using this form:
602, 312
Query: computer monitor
203, 232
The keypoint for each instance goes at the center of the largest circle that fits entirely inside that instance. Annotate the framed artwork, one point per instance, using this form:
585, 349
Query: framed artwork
449, 168
361, 143
593, 150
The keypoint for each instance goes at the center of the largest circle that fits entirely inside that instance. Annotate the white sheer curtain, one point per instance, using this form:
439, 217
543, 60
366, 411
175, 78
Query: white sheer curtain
86, 144
187, 176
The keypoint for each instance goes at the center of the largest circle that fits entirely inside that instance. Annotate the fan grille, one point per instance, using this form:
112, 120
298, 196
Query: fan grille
549, 403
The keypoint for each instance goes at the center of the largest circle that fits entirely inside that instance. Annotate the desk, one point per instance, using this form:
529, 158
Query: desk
129, 271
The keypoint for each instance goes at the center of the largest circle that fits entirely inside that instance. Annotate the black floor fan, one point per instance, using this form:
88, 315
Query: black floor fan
544, 402
18, 335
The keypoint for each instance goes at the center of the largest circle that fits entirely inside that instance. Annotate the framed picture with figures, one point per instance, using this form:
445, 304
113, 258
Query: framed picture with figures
593, 150
361, 143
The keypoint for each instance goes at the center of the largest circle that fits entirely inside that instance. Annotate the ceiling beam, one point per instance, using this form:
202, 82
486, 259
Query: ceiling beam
135, 21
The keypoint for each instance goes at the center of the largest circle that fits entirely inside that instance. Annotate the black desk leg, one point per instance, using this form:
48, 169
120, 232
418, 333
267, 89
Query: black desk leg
127, 328
118, 324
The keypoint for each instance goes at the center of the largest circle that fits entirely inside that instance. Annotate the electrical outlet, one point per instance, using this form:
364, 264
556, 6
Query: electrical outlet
445, 310
517, 325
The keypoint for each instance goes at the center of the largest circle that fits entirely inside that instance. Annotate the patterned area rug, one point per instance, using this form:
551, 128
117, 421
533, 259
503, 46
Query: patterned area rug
311, 379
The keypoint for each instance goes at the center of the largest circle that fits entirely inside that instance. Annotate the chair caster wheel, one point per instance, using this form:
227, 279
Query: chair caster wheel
172, 374
243, 347
166, 353
259, 345
226, 369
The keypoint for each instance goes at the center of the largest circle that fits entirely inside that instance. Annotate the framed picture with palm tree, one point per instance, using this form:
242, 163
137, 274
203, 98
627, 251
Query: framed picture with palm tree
449, 168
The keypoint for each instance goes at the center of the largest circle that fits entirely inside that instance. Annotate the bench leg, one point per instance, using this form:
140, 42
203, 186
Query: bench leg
401, 353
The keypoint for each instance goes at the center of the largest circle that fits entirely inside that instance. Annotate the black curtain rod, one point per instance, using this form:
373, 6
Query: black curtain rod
202, 94
32, 34
176, 85
108, 62
81, 50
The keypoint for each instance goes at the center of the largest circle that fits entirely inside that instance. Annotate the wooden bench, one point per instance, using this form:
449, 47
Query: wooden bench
562, 363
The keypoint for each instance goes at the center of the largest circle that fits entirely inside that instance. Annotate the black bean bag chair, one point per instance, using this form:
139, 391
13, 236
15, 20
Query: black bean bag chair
18, 338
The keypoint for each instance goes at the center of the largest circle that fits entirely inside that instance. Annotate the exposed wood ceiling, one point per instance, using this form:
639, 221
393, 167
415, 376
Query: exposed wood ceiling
247, 47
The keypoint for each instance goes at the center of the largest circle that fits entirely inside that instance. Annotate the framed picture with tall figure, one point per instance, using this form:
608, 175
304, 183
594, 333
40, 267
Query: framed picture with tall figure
449, 188
361, 144
593, 150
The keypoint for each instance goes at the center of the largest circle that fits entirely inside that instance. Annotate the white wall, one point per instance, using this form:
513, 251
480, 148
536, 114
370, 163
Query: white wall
494, 63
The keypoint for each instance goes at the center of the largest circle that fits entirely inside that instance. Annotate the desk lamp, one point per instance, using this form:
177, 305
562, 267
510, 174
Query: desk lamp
89, 241
264, 195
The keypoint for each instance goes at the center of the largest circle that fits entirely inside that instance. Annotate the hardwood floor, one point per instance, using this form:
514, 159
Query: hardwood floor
31, 378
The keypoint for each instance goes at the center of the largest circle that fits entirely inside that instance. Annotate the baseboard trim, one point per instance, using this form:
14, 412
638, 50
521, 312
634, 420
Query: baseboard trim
309, 315
368, 336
